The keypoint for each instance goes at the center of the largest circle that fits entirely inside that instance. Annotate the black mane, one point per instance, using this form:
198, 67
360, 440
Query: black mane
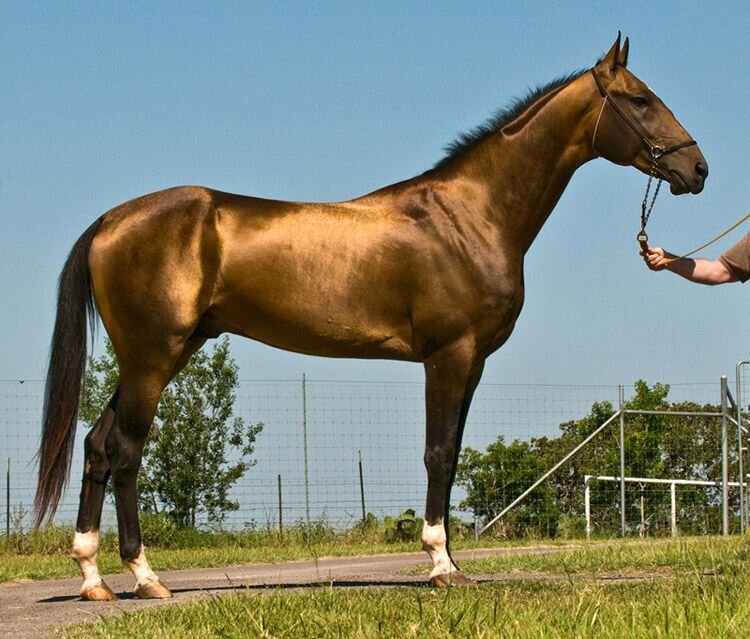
468, 141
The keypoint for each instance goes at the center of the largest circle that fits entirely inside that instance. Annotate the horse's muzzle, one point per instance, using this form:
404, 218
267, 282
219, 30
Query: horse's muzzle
688, 179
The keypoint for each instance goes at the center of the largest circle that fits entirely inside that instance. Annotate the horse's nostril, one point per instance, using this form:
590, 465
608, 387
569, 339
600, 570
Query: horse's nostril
701, 169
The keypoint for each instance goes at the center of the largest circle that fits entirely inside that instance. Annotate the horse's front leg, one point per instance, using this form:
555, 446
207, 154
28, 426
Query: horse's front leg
451, 378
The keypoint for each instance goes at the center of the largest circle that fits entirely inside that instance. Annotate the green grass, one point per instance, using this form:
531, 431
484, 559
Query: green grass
625, 557
698, 607
701, 590
690, 587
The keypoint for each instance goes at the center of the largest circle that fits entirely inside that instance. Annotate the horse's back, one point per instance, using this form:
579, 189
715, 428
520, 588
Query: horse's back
328, 278
320, 278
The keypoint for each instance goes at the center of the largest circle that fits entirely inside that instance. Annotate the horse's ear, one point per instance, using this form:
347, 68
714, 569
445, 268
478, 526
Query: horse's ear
623, 59
612, 59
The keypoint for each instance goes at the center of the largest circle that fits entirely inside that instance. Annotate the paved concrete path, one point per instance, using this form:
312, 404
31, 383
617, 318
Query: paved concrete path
29, 610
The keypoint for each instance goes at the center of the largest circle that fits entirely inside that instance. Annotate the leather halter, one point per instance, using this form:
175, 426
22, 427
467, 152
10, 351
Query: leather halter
656, 151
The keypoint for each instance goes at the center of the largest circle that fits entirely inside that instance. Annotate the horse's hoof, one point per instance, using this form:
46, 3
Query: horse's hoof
152, 589
448, 580
100, 592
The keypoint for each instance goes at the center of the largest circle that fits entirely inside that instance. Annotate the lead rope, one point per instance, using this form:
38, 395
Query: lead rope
669, 260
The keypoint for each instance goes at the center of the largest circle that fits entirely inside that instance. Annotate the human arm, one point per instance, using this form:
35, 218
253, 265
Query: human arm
700, 271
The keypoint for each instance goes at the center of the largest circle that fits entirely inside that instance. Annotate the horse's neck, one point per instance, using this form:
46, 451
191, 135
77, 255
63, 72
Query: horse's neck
525, 167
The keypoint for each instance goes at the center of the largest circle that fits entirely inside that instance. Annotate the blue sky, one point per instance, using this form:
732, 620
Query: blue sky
105, 101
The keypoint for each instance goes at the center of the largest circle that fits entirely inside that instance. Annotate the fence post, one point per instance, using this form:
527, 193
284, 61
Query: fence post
673, 495
741, 449
587, 504
7, 501
281, 510
724, 459
622, 460
362, 488
304, 445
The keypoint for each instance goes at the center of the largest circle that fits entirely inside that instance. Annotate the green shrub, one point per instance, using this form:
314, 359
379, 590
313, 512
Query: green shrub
50, 540
369, 529
571, 527
406, 527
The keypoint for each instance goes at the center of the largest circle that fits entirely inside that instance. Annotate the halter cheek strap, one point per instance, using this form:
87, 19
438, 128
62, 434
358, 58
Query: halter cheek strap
656, 151
596, 127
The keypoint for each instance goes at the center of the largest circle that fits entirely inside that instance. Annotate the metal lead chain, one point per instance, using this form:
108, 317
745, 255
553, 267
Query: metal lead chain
646, 208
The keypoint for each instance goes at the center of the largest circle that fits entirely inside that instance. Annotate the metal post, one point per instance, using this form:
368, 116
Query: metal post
7, 500
622, 460
741, 448
362, 488
304, 443
724, 459
673, 495
281, 510
587, 504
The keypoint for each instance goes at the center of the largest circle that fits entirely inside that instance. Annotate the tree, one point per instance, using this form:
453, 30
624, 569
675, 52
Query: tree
187, 470
492, 480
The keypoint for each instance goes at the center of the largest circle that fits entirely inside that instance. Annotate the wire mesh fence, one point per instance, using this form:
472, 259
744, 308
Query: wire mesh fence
378, 422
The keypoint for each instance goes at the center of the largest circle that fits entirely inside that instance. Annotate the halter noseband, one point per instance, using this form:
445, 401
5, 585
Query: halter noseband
657, 152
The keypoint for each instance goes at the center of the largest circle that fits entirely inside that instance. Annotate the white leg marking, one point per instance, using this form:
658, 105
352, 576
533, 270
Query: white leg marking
85, 548
434, 542
141, 569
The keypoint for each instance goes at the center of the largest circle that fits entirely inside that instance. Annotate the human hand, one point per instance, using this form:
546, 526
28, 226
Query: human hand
655, 258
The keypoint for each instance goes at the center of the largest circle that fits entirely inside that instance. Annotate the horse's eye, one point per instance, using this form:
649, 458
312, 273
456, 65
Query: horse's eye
639, 102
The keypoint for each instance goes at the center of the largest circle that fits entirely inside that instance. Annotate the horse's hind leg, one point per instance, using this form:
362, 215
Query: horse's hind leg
136, 406
95, 476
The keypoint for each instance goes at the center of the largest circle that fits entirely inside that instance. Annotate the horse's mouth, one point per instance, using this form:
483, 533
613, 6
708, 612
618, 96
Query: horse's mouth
678, 185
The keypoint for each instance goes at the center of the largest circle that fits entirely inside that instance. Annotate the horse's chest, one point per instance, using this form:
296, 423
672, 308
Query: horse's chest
501, 307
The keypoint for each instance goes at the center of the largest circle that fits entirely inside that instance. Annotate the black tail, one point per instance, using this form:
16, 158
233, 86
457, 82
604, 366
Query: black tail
75, 312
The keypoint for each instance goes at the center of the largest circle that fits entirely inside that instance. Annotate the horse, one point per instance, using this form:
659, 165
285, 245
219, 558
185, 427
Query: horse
427, 270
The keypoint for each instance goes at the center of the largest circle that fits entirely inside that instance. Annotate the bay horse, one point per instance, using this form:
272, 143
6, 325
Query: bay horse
427, 270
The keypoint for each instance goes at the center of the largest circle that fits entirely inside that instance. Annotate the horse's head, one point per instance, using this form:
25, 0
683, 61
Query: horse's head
634, 127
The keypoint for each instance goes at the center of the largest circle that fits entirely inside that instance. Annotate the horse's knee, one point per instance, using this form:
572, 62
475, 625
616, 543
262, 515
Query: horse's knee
437, 457
439, 462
